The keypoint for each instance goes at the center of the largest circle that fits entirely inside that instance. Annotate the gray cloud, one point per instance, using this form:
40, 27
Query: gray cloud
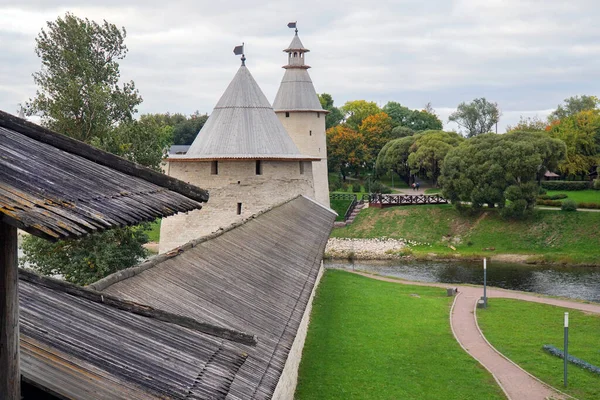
527, 55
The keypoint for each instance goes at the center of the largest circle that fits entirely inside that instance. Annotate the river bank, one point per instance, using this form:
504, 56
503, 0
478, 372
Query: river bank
442, 233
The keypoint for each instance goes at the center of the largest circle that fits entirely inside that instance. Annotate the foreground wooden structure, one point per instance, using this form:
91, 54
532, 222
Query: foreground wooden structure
390, 200
55, 187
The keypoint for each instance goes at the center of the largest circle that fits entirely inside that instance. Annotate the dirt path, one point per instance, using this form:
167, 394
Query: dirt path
516, 382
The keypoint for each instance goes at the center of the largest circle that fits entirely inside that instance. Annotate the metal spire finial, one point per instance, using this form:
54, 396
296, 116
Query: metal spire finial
294, 25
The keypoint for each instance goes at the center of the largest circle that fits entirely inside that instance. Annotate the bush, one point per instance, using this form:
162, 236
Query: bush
552, 203
542, 191
596, 184
565, 185
335, 185
378, 187
589, 205
568, 205
553, 197
356, 187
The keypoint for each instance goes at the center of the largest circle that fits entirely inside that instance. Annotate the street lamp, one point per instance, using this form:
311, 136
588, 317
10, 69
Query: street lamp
484, 283
566, 352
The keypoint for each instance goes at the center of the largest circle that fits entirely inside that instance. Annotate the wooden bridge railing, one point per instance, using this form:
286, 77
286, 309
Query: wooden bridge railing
387, 200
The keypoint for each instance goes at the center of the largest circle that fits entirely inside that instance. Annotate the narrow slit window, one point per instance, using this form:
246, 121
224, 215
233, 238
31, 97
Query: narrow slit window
287, 114
239, 208
309, 133
318, 115
258, 167
214, 168
301, 168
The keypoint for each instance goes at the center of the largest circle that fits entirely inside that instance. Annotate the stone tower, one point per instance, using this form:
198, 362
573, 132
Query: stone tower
300, 112
246, 160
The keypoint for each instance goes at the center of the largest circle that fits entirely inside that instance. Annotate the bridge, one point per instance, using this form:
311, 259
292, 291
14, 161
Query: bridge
378, 200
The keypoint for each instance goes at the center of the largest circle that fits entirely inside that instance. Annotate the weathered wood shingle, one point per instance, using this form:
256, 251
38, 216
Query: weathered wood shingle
82, 349
256, 277
56, 187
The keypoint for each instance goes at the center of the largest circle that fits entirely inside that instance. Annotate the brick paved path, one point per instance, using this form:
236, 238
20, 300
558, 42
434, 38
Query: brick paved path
516, 383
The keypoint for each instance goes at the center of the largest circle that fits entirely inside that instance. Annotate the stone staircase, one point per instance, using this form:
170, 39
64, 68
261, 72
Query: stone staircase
359, 206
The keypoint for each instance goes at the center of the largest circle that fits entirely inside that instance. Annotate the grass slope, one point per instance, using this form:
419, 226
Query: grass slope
553, 236
519, 329
377, 340
340, 207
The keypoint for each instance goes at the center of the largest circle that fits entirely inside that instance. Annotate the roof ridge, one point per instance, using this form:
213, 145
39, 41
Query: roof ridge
127, 273
136, 308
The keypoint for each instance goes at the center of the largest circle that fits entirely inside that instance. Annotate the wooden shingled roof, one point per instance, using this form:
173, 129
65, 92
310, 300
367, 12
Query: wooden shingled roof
56, 187
79, 344
255, 277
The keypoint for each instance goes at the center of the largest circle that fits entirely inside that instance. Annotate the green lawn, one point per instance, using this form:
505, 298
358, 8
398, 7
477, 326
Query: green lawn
154, 232
519, 329
579, 196
552, 236
433, 191
377, 340
340, 207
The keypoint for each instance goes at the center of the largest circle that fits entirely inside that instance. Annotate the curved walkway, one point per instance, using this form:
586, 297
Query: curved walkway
516, 383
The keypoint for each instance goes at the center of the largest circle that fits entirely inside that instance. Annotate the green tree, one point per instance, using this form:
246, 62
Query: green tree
184, 132
335, 116
79, 95
417, 120
477, 117
394, 156
528, 124
346, 150
499, 170
357, 110
401, 131
429, 150
581, 134
574, 105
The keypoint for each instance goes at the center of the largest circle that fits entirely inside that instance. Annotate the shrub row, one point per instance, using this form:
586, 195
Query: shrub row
553, 197
588, 205
574, 360
565, 185
552, 203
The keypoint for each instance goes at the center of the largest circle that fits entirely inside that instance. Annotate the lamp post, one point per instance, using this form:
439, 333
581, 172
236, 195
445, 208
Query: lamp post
566, 353
484, 283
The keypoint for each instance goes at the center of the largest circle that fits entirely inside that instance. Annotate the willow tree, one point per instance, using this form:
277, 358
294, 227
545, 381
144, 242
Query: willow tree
80, 95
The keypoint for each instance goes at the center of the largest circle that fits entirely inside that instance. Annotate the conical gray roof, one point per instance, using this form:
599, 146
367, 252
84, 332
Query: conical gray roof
296, 45
296, 92
243, 125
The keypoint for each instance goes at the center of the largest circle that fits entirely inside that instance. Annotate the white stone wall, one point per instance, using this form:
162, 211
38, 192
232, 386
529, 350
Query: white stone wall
286, 387
307, 130
236, 182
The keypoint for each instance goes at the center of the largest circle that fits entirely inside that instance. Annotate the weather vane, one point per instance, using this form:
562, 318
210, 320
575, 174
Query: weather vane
237, 50
293, 25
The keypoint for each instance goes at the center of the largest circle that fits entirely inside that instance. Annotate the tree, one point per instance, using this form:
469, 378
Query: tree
346, 150
499, 170
528, 124
377, 131
477, 117
429, 150
335, 116
574, 105
185, 132
79, 95
357, 110
401, 131
394, 156
581, 134
417, 120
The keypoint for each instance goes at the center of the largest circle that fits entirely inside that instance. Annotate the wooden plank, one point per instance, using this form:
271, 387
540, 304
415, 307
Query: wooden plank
10, 376
98, 156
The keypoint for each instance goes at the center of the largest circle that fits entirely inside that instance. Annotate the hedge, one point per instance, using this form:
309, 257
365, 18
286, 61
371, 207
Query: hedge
565, 185
552, 203
553, 197
573, 360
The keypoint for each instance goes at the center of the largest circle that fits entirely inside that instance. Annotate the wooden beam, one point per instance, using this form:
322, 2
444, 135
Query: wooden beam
10, 374
139, 309
84, 150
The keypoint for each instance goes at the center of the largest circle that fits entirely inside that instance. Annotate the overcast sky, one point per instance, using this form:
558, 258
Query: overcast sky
526, 55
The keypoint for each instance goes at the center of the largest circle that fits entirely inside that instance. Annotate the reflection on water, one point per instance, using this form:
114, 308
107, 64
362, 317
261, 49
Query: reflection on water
575, 282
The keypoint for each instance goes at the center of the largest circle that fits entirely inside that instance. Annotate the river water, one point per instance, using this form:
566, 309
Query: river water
575, 282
